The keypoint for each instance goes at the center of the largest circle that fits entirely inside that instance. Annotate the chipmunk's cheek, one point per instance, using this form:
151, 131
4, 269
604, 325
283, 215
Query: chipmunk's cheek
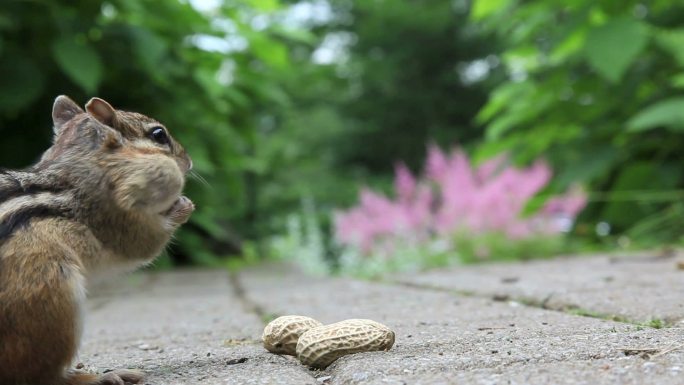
163, 192
151, 185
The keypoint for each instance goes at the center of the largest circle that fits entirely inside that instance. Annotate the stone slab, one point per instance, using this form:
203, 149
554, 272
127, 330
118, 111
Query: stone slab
596, 360
443, 337
183, 327
637, 287
624, 371
193, 327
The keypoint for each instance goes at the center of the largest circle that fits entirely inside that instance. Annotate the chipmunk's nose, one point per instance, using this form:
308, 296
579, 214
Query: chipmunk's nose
189, 163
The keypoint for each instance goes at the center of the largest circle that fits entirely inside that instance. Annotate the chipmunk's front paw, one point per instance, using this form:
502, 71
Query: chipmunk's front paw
121, 377
181, 210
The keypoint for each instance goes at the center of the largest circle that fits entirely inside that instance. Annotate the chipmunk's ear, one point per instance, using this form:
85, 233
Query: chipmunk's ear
63, 110
102, 111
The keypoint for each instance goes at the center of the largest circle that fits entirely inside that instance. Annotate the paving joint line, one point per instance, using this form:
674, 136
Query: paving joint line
250, 306
567, 308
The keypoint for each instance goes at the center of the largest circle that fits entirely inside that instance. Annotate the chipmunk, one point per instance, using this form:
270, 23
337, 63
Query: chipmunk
105, 196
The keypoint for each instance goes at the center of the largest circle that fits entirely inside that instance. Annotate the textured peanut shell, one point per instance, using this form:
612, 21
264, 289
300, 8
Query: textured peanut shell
321, 346
281, 335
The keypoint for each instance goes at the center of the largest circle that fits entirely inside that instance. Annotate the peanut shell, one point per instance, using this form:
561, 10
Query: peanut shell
281, 335
321, 346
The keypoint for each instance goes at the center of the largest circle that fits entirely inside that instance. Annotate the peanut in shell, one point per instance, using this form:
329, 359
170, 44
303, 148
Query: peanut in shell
322, 345
281, 335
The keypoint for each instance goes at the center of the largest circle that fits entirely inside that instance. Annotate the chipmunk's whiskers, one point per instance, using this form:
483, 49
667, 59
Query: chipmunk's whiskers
195, 175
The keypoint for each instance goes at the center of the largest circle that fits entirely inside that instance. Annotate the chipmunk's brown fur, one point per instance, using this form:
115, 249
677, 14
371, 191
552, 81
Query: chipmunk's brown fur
105, 197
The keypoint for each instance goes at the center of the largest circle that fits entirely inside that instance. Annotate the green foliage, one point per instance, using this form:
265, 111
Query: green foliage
78, 61
641, 176
657, 323
21, 82
263, 122
393, 85
152, 57
483, 9
596, 88
605, 47
405, 80
304, 241
668, 113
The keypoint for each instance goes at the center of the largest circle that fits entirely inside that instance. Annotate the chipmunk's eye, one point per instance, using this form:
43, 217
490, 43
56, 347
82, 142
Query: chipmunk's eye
158, 134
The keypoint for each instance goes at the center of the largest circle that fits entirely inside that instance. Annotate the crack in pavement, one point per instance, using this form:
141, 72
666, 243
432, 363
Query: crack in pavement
561, 307
248, 305
239, 292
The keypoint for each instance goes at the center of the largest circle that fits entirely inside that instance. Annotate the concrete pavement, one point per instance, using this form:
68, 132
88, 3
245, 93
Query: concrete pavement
583, 320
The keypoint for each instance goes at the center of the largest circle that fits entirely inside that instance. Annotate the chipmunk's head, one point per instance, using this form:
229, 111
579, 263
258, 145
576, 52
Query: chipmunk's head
142, 164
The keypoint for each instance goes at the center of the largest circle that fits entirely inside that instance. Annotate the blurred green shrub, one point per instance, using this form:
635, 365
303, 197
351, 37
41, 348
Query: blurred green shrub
596, 88
210, 75
245, 88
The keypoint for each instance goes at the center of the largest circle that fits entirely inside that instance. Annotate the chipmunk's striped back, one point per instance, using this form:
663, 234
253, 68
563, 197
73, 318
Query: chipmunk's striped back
25, 195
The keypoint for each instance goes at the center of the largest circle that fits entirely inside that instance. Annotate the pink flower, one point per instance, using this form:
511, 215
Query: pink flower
453, 197
437, 164
404, 182
570, 204
490, 167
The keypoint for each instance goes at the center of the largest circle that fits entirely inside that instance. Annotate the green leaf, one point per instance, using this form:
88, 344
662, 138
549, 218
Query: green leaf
207, 220
21, 82
639, 177
484, 8
80, 62
612, 47
265, 5
149, 48
206, 78
524, 57
672, 41
677, 81
668, 113
581, 168
269, 51
520, 112
294, 34
569, 46
6, 22
501, 98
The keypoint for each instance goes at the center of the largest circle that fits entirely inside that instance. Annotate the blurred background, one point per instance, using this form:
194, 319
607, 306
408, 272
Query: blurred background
370, 136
